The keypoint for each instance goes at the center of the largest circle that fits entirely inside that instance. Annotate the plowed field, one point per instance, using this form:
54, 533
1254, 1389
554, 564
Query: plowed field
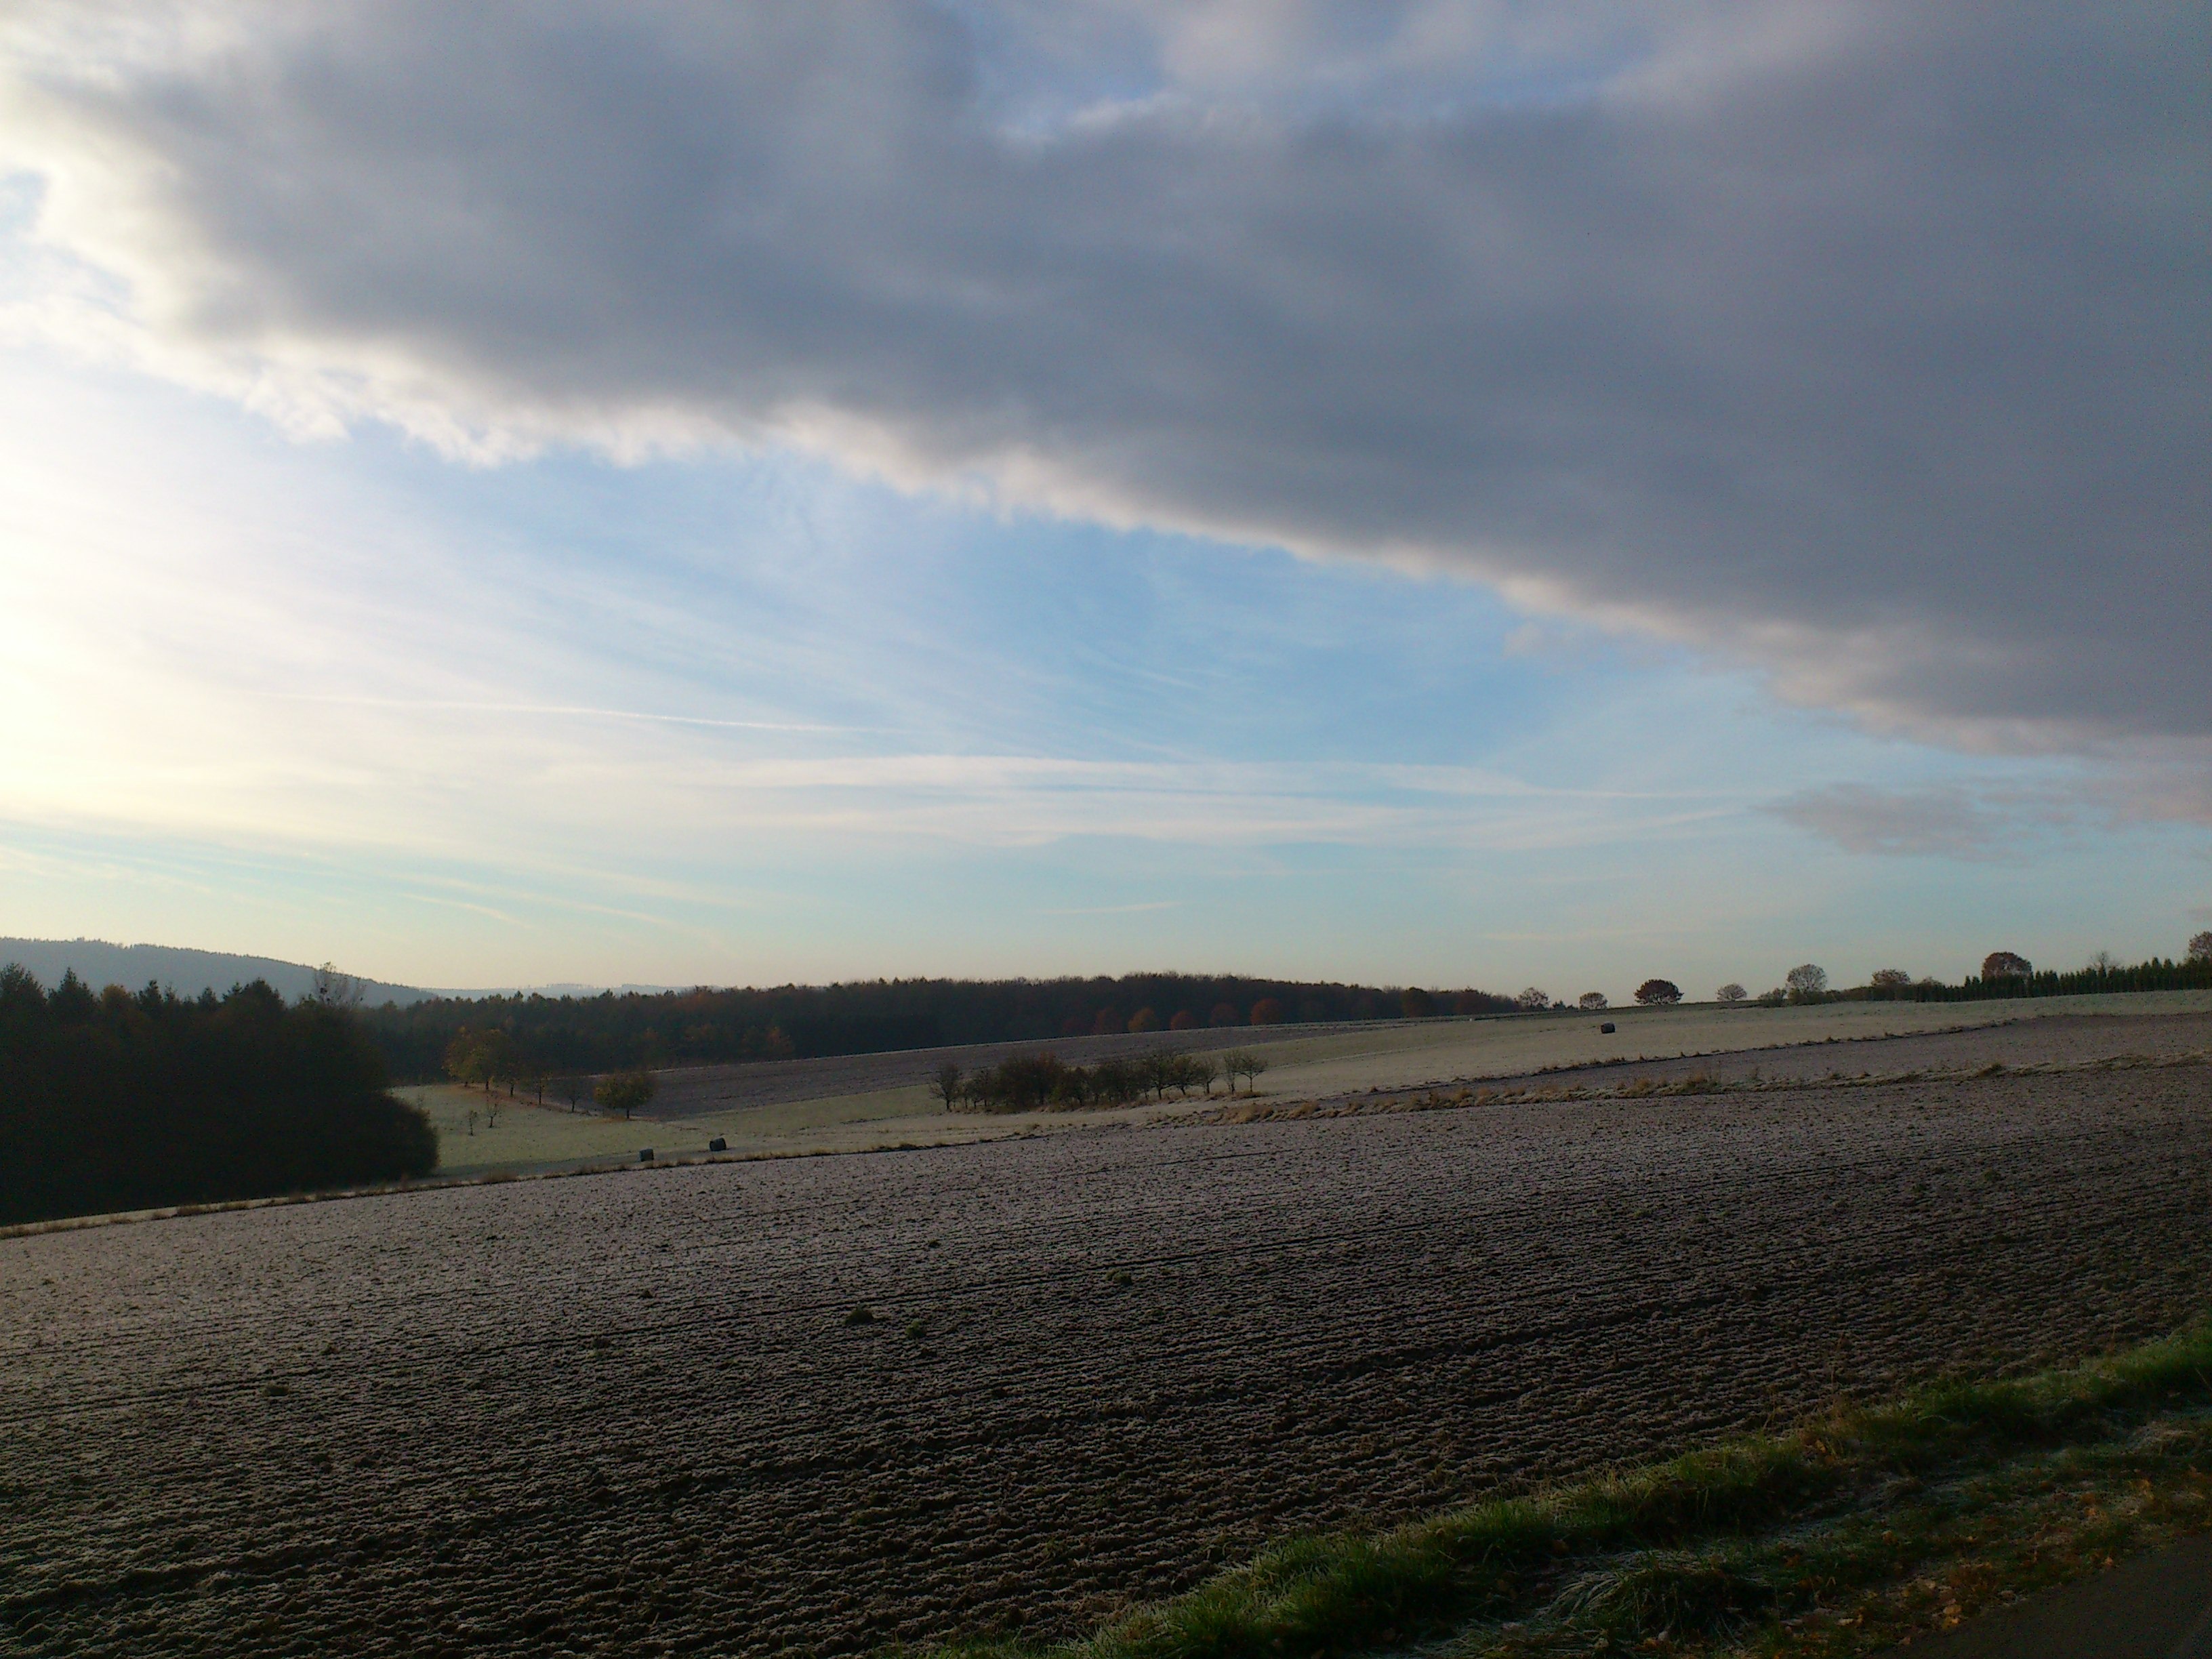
637, 1412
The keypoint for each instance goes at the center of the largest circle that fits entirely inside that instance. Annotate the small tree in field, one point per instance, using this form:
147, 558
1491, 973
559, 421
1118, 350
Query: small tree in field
1807, 982
625, 1091
2006, 964
1591, 1001
946, 1086
1144, 1020
1242, 1062
1731, 992
462, 1062
1532, 1001
2200, 946
1658, 993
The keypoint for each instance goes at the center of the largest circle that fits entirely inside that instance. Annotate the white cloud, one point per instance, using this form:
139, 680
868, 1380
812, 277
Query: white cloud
1864, 342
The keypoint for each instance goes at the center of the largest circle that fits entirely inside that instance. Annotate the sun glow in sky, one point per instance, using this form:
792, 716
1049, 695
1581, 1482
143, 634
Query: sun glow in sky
1424, 501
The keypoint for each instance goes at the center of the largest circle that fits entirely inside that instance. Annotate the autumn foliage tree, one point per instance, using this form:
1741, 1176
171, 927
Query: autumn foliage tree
626, 1092
1658, 993
2006, 964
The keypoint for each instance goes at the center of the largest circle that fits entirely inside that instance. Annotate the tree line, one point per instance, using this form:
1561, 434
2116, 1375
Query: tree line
1043, 1081
117, 1100
2004, 973
550, 1039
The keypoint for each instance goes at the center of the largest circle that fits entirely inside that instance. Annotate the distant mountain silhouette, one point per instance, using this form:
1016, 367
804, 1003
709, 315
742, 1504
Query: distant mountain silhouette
189, 972
186, 972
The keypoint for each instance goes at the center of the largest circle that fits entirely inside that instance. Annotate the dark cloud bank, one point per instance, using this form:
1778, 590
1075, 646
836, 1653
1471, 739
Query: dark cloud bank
1879, 358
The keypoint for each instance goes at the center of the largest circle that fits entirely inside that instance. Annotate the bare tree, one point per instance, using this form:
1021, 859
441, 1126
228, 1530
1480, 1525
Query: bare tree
945, 1086
1243, 1062
1731, 992
2103, 962
2200, 946
336, 990
1807, 982
1593, 1001
1532, 1001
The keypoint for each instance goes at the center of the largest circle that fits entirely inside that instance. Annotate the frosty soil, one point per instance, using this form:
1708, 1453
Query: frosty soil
631, 1409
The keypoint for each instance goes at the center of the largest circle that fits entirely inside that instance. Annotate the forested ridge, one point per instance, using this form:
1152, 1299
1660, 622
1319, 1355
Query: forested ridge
611, 1031
121, 1101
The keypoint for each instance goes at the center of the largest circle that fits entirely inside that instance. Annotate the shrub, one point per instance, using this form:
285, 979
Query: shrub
1144, 1020
1184, 1020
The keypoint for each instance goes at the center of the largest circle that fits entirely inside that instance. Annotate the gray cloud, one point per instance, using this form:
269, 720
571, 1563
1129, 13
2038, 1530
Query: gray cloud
1866, 344
1943, 822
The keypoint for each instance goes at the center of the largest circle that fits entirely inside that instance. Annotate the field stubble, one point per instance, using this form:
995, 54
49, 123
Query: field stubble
640, 1411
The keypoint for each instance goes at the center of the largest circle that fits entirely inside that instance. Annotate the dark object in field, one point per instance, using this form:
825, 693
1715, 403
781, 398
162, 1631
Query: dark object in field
718, 1144
861, 1317
122, 1101
645, 1155
1607, 1028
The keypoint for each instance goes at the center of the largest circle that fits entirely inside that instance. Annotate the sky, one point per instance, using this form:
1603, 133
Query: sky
1430, 492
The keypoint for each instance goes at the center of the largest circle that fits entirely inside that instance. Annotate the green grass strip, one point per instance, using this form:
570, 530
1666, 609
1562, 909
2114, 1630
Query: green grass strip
1709, 1551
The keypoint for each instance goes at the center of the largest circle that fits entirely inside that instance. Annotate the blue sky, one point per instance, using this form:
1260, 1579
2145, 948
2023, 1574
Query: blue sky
744, 717
321, 647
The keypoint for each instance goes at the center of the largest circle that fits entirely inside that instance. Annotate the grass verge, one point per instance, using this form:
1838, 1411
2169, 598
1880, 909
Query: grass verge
1841, 1537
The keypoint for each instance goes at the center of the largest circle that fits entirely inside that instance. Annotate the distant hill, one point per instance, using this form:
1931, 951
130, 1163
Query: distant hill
190, 972
186, 972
